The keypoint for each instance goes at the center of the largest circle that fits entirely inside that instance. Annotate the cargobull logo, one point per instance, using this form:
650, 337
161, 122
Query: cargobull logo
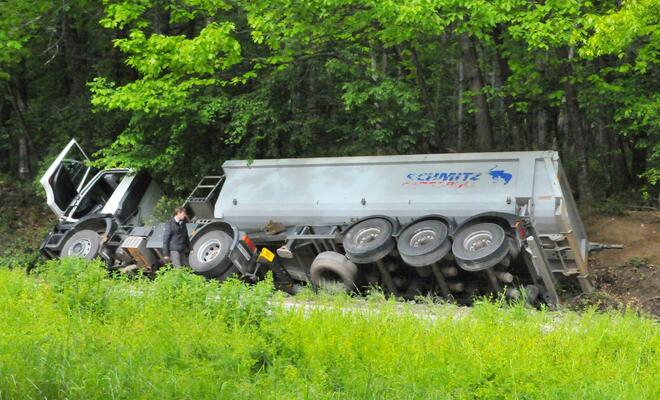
456, 180
499, 175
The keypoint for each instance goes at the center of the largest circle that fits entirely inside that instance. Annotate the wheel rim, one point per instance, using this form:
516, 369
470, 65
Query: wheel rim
477, 241
209, 251
480, 246
80, 248
422, 238
367, 235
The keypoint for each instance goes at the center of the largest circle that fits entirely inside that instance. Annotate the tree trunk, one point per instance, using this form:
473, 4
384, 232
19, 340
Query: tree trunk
6, 154
459, 117
638, 160
560, 130
501, 131
375, 77
484, 127
541, 129
616, 160
623, 159
575, 131
428, 104
421, 82
510, 112
75, 69
19, 107
603, 149
23, 159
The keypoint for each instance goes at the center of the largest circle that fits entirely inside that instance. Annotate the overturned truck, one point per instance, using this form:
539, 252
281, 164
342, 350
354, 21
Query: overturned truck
455, 225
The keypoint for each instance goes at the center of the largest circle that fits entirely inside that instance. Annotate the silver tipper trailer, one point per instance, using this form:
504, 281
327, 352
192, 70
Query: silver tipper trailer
456, 225
453, 224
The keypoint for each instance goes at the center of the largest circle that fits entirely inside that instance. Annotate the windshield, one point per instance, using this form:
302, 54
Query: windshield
97, 196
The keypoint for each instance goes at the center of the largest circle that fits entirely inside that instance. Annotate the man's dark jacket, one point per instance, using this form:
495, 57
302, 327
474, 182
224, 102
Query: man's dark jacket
175, 237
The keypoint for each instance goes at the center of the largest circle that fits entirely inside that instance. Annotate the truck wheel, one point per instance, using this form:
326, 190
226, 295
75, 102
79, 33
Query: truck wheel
85, 243
209, 254
424, 243
369, 240
330, 268
480, 246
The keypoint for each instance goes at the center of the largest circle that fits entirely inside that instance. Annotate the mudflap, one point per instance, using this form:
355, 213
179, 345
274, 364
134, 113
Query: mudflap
52, 244
243, 258
260, 267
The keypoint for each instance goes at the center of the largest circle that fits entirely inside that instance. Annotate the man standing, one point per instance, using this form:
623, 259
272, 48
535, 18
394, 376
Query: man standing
176, 244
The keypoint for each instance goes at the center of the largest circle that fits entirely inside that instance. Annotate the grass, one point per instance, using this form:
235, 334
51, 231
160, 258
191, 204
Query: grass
70, 332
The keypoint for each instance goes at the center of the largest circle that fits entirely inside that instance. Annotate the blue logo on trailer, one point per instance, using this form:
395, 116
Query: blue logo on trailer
444, 176
456, 179
498, 175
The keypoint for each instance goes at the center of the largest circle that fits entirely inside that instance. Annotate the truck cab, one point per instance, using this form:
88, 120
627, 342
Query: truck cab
74, 189
105, 214
100, 203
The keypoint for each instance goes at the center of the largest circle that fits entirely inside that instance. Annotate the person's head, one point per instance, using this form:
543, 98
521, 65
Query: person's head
180, 213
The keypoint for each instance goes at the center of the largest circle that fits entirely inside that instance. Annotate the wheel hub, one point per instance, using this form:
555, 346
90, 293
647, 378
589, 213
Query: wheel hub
367, 235
209, 251
477, 241
422, 238
80, 248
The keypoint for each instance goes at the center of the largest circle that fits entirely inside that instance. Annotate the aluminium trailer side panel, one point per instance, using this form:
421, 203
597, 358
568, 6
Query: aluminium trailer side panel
340, 190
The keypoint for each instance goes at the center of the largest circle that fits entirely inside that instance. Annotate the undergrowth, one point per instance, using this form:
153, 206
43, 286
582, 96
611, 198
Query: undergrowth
69, 331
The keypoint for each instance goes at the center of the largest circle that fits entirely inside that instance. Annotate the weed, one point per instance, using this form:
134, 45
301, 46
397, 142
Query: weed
20, 259
637, 262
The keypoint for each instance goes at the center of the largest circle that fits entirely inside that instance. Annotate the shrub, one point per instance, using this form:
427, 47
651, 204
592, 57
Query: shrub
20, 259
81, 284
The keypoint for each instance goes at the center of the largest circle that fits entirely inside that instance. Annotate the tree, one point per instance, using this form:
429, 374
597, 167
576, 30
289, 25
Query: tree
19, 23
629, 84
179, 86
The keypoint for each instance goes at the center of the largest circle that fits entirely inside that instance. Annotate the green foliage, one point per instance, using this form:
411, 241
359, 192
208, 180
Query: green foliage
19, 258
611, 206
23, 227
638, 262
70, 332
177, 87
164, 210
80, 285
173, 70
617, 31
19, 22
631, 88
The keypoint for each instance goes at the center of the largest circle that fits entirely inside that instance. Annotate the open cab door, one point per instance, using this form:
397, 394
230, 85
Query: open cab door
66, 177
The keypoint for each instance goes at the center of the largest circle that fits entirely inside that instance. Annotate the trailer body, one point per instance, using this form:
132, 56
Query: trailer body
342, 190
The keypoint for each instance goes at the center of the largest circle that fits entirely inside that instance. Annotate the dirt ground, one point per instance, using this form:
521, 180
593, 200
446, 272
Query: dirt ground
627, 277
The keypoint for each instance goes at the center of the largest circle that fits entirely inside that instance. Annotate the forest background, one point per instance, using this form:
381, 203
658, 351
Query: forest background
177, 87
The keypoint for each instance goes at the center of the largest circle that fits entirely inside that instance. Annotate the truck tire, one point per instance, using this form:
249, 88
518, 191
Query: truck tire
85, 243
330, 268
210, 255
424, 242
369, 241
480, 246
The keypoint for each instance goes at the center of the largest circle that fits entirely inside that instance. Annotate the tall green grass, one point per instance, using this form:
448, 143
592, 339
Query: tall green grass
71, 332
